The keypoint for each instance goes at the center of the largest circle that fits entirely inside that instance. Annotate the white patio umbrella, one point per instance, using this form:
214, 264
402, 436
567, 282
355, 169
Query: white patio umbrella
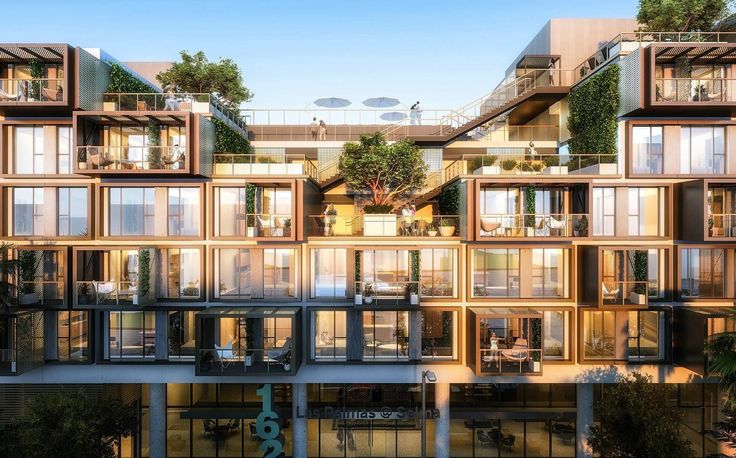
393, 116
381, 102
332, 102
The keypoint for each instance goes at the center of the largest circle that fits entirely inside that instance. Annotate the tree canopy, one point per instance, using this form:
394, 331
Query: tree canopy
196, 74
681, 15
635, 418
72, 426
387, 171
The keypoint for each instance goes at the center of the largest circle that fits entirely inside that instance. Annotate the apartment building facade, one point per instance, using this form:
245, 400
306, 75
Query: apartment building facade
218, 293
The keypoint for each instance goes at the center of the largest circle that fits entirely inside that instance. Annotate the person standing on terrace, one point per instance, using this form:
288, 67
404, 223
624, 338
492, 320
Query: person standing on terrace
322, 130
313, 128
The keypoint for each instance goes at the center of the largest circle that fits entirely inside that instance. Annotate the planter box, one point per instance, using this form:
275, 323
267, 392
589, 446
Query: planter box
447, 231
294, 169
379, 225
555, 170
358, 299
488, 170
637, 299
260, 169
597, 169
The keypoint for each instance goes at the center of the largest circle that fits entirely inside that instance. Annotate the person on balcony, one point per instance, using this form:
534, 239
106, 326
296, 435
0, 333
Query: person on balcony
171, 104
314, 128
416, 114
330, 219
322, 130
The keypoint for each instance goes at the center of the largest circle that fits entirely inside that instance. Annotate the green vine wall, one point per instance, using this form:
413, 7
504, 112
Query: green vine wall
229, 141
123, 82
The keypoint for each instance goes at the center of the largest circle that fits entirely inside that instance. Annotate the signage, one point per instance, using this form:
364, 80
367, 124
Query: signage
384, 413
268, 427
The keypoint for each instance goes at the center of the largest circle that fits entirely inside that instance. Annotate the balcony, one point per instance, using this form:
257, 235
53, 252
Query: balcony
21, 341
381, 294
693, 327
534, 225
634, 336
132, 159
522, 161
264, 165
506, 341
34, 76
624, 293
695, 90
368, 225
243, 341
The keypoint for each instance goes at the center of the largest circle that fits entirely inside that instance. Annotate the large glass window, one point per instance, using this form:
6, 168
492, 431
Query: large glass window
234, 273
183, 211
132, 335
647, 143
604, 212
439, 334
279, 273
72, 211
702, 149
29, 149
180, 277
181, 335
65, 146
599, 331
329, 334
438, 267
644, 333
132, 211
329, 273
387, 271
386, 335
548, 272
702, 271
230, 208
646, 208
496, 272
28, 211
72, 340
555, 332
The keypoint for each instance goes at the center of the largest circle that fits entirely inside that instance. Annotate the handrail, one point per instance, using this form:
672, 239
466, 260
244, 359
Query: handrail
331, 116
396, 291
724, 222
263, 225
494, 361
226, 357
526, 162
264, 164
400, 226
31, 89
534, 225
101, 157
39, 289
695, 89
624, 292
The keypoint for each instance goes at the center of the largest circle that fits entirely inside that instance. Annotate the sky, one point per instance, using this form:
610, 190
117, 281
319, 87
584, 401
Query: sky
445, 53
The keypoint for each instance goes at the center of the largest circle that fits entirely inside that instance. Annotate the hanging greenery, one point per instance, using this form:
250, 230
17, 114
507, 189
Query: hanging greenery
592, 121
416, 266
123, 82
640, 271
38, 71
154, 143
449, 200
229, 141
250, 204
530, 205
357, 265
144, 274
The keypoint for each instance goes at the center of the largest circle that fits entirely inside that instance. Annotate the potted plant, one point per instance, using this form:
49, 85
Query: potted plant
379, 221
82, 158
530, 204
146, 292
509, 165
249, 341
83, 293
485, 165
580, 229
250, 210
368, 293
552, 165
416, 267
447, 227
27, 266
536, 344
432, 230
639, 266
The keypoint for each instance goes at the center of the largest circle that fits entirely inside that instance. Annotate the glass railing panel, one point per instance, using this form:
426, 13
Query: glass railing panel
31, 90
130, 159
534, 225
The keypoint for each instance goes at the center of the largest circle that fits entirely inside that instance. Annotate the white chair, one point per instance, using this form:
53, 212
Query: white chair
103, 290
612, 294
557, 225
266, 226
225, 354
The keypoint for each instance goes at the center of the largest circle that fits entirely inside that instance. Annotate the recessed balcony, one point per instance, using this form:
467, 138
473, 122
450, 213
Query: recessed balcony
264, 164
391, 225
541, 161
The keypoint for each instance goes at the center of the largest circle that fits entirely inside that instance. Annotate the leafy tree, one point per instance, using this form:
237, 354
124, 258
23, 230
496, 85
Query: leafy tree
634, 418
8, 267
681, 15
721, 352
70, 426
198, 75
387, 171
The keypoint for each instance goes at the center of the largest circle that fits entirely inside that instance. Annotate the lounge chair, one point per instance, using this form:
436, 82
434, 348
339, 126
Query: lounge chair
266, 226
560, 227
103, 290
519, 352
281, 355
226, 355
609, 295
489, 225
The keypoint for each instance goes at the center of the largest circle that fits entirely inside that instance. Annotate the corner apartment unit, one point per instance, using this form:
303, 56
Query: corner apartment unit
211, 285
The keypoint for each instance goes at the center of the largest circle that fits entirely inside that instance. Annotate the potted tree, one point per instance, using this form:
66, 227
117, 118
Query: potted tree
639, 266
368, 293
250, 210
509, 165
27, 266
415, 269
581, 227
536, 344
82, 158
447, 227
385, 172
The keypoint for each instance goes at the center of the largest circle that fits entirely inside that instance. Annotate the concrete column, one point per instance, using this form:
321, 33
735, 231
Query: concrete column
415, 335
298, 419
157, 420
50, 333
162, 337
584, 418
442, 424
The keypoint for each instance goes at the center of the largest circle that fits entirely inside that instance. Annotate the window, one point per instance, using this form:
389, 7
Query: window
183, 211
702, 150
234, 273
181, 272
72, 211
132, 211
645, 211
647, 154
644, 335
65, 148
72, 341
230, 211
555, 332
437, 276
496, 272
276, 333
181, 335
548, 272
386, 335
386, 270
28, 211
29, 149
329, 273
279, 273
702, 272
439, 334
329, 333
604, 212
599, 331
132, 335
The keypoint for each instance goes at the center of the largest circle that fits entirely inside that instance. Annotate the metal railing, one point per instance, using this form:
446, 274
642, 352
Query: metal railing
629, 41
534, 225
335, 116
379, 292
235, 360
41, 292
131, 158
31, 89
384, 226
702, 90
526, 163
264, 164
624, 292
514, 360
328, 170
722, 225
157, 101
262, 225
93, 292
506, 133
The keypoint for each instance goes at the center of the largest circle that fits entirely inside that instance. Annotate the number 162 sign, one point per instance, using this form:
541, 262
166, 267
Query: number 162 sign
268, 426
